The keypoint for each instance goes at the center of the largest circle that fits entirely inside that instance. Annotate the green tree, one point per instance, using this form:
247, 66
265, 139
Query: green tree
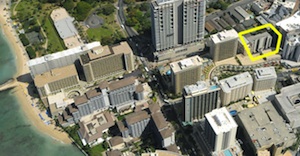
82, 10
107, 40
129, 1
131, 22
144, 6
31, 52
24, 39
69, 5
108, 9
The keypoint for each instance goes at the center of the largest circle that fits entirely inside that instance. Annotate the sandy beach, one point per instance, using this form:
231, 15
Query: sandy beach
21, 91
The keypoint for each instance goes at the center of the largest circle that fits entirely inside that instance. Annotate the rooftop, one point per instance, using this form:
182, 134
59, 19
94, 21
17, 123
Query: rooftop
55, 75
257, 36
242, 12
236, 81
293, 39
290, 24
121, 83
289, 102
220, 120
224, 36
64, 53
199, 87
117, 140
63, 23
80, 99
187, 63
265, 126
136, 117
91, 127
265, 73
159, 120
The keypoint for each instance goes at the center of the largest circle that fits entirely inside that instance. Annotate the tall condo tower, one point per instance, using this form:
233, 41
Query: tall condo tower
177, 22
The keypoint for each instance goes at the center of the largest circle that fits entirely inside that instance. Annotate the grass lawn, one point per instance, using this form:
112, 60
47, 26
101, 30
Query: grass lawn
55, 43
108, 29
30, 9
96, 150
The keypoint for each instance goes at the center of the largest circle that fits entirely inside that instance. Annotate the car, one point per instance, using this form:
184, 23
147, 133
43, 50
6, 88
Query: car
122, 26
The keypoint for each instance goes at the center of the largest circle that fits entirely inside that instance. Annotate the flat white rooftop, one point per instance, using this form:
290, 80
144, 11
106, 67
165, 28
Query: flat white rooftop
64, 53
265, 73
293, 39
290, 24
186, 63
236, 81
224, 36
199, 87
220, 120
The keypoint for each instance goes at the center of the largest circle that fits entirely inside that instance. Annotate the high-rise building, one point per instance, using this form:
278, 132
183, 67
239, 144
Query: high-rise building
177, 22
200, 99
185, 72
291, 46
220, 129
235, 87
107, 61
223, 45
56, 80
264, 78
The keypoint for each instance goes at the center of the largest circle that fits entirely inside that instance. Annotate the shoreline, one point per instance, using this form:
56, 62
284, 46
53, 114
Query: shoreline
21, 92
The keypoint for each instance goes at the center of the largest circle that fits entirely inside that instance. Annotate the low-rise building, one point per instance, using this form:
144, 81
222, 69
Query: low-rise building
137, 123
235, 87
264, 78
165, 133
242, 12
264, 129
116, 143
92, 127
287, 102
114, 153
259, 42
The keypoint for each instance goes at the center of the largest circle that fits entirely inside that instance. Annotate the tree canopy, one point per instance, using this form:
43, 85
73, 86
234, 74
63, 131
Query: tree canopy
82, 10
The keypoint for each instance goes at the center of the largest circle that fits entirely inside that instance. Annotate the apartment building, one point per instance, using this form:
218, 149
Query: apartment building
220, 129
235, 87
185, 72
223, 45
264, 78
199, 99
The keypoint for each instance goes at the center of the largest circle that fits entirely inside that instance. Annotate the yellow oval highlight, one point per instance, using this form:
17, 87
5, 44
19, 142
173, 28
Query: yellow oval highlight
268, 25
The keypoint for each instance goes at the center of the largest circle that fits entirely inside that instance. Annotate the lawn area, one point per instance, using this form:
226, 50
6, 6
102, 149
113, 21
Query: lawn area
110, 29
27, 9
98, 149
55, 43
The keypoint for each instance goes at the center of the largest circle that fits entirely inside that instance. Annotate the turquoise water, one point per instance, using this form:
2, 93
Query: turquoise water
17, 135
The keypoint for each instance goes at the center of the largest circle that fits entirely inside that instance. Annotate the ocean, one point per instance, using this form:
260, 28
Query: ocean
17, 136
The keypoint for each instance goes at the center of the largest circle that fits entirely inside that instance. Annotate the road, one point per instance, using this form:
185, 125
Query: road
241, 3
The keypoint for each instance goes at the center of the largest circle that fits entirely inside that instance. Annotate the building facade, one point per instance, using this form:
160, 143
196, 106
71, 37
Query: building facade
291, 46
235, 87
177, 22
107, 62
220, 129
223, 45
59, 59
137, 123
185, 72
264, 78
200, 99
259, 42
56, 80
